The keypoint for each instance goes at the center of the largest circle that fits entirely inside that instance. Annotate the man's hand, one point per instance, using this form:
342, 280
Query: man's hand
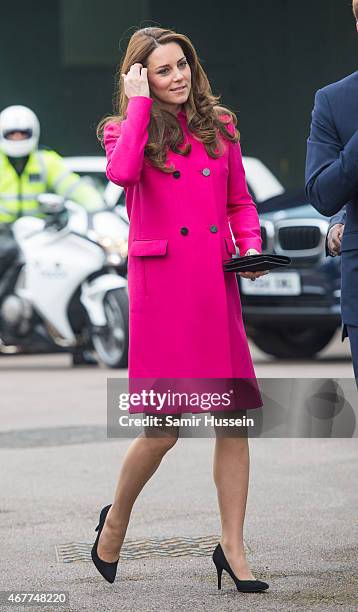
334, 239
252, 275
136, 82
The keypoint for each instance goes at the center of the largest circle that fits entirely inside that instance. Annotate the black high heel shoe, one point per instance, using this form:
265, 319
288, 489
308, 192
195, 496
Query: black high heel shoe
246, 586
106, 569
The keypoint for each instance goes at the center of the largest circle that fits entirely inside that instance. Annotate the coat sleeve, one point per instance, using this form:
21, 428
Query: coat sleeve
241, 210
331, 168
125, 142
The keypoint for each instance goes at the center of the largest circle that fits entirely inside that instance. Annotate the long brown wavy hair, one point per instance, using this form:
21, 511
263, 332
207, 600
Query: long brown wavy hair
355, 9
204, 115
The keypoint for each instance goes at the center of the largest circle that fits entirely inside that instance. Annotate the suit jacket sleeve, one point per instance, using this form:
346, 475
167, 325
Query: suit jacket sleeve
340, 217
241, 210
125, 142
331, 168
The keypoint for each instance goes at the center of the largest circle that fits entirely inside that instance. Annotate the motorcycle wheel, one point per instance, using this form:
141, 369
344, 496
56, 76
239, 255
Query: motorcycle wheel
111, 345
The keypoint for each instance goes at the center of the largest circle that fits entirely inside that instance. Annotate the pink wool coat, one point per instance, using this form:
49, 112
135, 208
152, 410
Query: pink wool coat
185, 316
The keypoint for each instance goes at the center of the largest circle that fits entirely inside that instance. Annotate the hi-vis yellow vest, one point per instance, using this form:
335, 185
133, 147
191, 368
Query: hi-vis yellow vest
45, 171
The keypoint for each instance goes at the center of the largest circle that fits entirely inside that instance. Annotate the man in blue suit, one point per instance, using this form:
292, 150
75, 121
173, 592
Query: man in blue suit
332, 185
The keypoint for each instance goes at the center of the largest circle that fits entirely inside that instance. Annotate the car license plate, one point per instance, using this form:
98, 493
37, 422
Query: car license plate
278, 283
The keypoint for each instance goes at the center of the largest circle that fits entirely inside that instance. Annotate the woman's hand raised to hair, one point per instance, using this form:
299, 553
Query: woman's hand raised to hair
136, 82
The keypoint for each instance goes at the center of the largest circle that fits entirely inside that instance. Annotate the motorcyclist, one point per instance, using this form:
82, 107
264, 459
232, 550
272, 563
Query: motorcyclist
26, 171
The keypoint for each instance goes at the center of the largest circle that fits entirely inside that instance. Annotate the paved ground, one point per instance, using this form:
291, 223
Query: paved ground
58, 469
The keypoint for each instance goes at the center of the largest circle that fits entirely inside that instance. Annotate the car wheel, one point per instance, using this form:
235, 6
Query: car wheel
295, 343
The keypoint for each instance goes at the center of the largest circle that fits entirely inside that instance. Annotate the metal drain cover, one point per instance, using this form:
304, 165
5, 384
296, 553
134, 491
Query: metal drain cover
141, 549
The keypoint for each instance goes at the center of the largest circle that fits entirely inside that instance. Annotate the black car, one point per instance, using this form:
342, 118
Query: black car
296, 312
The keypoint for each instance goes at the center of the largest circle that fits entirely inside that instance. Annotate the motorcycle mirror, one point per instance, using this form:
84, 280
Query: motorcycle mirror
51, 203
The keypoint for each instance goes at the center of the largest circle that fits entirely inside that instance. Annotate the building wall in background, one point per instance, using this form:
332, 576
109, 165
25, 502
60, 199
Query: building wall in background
265, 58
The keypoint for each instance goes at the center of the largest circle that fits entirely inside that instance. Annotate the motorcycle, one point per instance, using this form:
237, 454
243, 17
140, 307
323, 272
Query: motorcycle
110, 228
64, 289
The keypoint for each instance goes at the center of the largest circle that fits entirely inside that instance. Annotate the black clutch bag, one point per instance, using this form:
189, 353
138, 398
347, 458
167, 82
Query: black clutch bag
256, 263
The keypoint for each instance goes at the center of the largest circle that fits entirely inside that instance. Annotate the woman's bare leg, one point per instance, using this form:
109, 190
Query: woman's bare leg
142, 459
231, 476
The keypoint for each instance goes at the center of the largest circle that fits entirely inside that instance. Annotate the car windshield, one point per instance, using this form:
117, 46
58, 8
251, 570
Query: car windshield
291, 198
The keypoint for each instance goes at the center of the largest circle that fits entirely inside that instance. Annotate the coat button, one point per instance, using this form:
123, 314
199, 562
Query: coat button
176, 174
184, 231
206, 172
213, 229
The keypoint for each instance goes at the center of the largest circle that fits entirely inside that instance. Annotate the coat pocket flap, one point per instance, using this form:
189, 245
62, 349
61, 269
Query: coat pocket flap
148, 247
230, 246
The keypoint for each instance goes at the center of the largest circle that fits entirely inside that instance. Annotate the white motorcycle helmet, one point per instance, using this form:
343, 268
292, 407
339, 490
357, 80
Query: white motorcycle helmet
22, 119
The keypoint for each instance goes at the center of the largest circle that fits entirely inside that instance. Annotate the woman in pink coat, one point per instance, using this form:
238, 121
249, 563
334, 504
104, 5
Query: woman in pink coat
177, 154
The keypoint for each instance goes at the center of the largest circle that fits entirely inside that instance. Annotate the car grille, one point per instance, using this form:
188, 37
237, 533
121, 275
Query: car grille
301, 237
